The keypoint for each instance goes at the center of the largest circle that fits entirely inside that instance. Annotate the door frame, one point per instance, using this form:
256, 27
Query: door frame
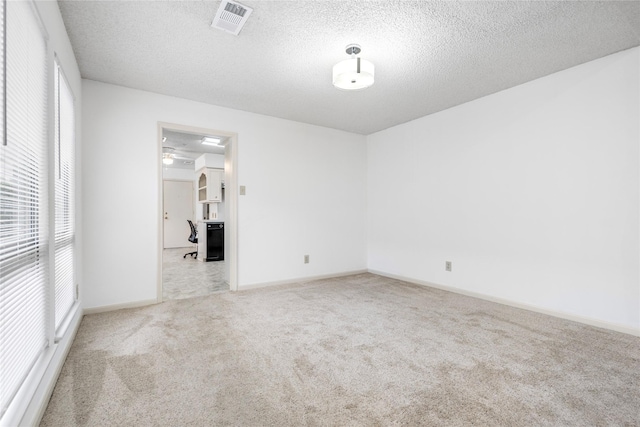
231, 199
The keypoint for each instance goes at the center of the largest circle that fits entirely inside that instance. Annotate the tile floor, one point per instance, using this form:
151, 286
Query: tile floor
188, 277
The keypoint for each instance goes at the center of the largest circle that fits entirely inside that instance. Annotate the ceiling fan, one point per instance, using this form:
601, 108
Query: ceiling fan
169, 154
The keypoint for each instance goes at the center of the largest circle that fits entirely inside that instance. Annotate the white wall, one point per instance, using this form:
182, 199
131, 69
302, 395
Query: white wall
305, 186
178, 174
532, 193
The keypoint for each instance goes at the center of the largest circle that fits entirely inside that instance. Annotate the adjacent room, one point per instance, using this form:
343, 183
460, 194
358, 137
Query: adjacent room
320, 213
193, 207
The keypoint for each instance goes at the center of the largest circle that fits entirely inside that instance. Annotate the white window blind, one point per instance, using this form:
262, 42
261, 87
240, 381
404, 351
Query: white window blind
23, 201
65, 295
2, 73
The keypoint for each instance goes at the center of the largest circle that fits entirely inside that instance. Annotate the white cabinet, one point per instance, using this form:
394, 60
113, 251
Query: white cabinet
209, 184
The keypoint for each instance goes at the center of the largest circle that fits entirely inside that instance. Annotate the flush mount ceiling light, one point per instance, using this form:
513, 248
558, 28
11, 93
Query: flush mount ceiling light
210, 140
167, 159
354, 73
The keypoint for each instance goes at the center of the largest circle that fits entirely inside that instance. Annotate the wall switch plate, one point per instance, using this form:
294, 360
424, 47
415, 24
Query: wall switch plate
306, 259
447, 265
243, 190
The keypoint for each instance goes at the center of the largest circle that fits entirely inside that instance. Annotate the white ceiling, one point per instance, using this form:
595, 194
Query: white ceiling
429, 55
185, 148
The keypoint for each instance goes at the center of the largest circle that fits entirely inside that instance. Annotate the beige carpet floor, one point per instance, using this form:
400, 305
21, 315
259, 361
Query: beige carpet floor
356, 351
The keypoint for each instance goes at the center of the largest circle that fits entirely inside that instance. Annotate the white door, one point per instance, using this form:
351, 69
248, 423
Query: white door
178, 208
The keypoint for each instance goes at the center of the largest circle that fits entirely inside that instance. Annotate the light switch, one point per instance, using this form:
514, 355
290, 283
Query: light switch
243, 190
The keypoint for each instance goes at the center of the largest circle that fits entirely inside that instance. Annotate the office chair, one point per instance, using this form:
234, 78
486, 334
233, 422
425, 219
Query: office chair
193, 238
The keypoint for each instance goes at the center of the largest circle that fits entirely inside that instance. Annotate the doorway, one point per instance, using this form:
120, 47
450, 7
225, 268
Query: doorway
180, 273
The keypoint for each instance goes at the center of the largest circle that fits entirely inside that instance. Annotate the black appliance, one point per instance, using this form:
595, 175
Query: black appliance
215, 241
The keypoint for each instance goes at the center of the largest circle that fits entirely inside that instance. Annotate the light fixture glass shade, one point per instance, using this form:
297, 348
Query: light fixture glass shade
167, 159
347, 77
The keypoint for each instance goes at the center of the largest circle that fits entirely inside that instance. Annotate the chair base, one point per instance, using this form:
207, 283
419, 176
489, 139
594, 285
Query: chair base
193, 254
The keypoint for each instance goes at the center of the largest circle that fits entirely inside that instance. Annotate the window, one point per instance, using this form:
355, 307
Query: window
23, 200
65, 295
37, 180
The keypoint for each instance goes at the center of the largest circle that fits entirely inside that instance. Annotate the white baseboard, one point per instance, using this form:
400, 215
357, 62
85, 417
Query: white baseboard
113, 307
563, 315
300, 279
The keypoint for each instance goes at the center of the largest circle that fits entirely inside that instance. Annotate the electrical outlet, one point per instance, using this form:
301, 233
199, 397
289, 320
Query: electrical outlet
447, 265
243, 190
306, 259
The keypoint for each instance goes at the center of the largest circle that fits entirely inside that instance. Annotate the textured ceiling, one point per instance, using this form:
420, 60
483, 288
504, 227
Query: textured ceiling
429, 56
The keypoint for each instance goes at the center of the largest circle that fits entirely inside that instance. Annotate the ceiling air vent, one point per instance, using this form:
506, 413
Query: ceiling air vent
231, 17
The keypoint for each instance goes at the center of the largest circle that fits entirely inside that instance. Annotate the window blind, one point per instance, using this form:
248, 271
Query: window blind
3, 81
23, 201
65, 295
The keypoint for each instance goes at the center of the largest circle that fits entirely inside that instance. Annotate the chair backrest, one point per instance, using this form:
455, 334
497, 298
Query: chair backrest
193, 238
